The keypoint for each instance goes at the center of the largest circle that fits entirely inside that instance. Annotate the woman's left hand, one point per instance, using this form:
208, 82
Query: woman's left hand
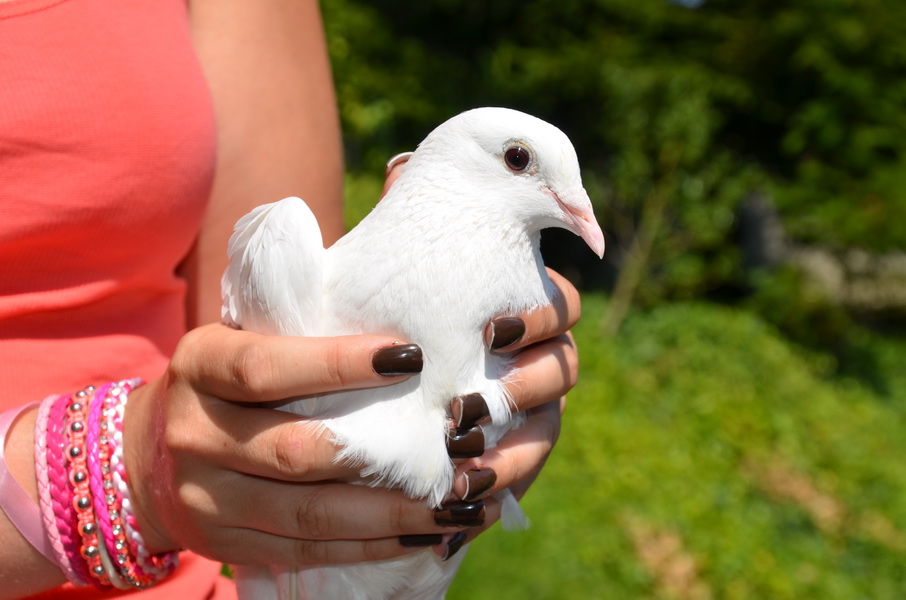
545, 368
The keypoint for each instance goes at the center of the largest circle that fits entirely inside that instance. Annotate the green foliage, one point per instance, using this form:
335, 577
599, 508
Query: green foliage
678, 422
676, 113
361, 193
831, 96
800, 311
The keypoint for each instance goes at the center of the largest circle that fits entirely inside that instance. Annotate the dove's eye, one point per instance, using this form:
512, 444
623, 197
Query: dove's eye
517, 158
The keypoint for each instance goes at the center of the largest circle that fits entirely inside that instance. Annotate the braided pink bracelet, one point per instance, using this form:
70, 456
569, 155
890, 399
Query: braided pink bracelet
60, 495
61, 492
53, 492
42, 425
159, 565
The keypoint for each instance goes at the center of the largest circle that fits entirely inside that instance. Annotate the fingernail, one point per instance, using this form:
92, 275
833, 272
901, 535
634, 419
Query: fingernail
468, 444
468, 411
395, 160
506, 331
477, 482
455, 544
460, 514
421, 541
400, 359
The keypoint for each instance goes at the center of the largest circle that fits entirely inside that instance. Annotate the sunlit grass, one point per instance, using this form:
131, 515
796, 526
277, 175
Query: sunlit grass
702, 456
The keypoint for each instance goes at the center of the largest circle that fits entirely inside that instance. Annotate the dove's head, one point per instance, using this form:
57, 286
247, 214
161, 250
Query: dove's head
524, 168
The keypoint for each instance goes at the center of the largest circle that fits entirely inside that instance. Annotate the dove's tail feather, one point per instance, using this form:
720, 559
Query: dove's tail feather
420, 576
511, 516
256, 582
273, 282
287, 583
432, 583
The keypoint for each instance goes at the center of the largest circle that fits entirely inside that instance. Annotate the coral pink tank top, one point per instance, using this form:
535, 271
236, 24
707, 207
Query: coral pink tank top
107, 145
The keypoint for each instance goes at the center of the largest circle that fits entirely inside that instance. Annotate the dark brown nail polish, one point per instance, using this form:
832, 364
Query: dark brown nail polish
467, 444
421, 541
401, 359
506, 331
455, 544
468, 411
478, 481
460, 514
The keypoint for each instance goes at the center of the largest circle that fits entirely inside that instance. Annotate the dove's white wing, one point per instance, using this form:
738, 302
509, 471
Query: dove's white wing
273, 285
274, 282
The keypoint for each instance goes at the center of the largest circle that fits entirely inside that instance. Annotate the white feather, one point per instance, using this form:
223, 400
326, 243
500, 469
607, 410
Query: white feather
454, 243
273, 283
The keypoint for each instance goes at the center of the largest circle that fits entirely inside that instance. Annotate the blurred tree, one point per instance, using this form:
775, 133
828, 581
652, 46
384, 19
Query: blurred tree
824, 113
677, 113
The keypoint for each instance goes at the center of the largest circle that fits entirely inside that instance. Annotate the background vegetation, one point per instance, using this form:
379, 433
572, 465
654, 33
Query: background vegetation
737, 432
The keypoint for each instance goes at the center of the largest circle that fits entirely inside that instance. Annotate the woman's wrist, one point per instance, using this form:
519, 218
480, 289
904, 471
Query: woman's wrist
65, 492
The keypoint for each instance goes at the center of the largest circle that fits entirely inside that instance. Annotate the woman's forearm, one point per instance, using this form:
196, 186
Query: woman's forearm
278, 130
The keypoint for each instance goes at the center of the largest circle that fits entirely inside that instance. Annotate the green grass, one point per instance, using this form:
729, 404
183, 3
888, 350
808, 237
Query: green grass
703, 456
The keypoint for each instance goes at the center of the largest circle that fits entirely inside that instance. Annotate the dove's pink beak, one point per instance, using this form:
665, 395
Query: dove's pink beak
577, 208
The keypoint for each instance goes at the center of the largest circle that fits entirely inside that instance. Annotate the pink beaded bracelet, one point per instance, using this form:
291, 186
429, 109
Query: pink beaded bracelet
136, 566
85, 522
76, 451
155, 565
100, 483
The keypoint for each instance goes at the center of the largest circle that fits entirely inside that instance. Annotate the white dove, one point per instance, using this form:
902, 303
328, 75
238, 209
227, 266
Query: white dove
454, 243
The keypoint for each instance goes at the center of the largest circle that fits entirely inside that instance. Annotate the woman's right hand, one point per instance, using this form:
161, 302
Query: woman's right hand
213, 472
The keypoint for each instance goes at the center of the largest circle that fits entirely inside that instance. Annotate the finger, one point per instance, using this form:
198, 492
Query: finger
260, 441
517, 458
394, 169
493, 515
509, 333
251, 547
544, 371
249, 367
326, 511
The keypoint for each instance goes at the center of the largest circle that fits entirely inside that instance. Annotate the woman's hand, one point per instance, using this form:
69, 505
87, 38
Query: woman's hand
213, 472
545, 368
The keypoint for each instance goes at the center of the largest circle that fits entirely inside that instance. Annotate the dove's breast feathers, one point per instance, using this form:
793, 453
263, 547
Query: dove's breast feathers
388, 276
432, 270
